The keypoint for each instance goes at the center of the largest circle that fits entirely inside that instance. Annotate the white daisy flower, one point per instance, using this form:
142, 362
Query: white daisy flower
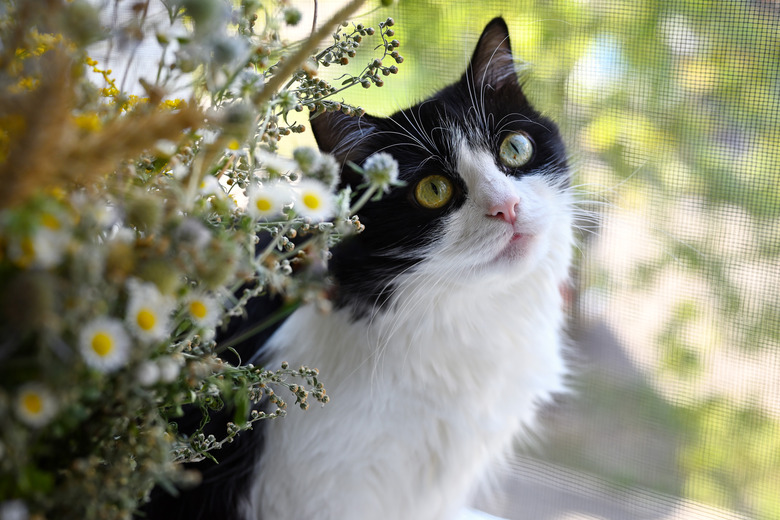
210, 186
49, 246
22, 251
104, 343
313, 200
35, 405
105, 215
267, 201
204, 310
46, 247
148, 312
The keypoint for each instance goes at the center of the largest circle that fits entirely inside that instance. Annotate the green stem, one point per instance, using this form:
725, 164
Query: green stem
363, 199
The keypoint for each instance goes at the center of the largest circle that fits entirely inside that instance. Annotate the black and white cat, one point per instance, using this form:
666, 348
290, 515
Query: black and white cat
446, 333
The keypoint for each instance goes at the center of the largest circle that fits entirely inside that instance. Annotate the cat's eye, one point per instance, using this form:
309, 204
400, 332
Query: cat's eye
516, 150
433, 192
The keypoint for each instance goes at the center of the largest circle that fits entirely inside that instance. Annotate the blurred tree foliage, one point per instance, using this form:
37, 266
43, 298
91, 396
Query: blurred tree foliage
671, 109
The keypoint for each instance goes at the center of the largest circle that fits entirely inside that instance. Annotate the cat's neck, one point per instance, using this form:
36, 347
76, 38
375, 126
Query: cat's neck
430, 332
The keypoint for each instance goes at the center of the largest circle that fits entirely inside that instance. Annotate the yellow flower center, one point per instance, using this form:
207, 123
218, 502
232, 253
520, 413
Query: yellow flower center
198, 309
32, 403
50, 221
88, 122
311, 201
263, 205
102, 344
28, 248
145, 319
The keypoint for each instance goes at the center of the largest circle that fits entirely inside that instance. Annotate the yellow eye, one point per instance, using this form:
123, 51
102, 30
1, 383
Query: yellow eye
433, 192
516, 150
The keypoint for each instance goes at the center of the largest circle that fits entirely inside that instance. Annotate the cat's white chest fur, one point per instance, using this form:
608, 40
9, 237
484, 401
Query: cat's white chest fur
423, 399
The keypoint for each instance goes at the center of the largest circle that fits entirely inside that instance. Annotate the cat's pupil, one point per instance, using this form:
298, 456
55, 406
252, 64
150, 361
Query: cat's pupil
435, 188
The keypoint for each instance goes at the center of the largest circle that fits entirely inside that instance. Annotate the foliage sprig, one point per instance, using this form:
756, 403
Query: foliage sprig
136, 220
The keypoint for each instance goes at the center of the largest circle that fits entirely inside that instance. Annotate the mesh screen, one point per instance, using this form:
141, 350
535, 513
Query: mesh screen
671, 110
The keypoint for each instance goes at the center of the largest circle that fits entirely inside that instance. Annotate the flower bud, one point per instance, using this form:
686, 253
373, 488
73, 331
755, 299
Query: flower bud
162, 273
307, 158
144, 213
292, 16
147, 373
120, 260
381, 170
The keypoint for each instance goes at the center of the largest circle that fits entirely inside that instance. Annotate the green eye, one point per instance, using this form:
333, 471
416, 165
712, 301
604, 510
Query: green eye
516, 150
433, 192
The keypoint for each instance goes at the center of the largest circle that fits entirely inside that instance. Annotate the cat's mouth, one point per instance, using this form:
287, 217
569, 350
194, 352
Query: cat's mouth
517, 247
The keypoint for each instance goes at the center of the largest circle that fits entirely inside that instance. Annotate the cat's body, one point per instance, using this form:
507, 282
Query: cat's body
446, 334
422, 400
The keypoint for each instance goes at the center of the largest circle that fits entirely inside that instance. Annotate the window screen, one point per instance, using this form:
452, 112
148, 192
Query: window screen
670, 111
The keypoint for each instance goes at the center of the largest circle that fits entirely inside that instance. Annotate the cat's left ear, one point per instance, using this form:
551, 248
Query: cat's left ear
492, 63
346, 137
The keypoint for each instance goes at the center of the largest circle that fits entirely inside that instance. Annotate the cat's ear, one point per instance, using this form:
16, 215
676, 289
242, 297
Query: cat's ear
492, 62
343, 136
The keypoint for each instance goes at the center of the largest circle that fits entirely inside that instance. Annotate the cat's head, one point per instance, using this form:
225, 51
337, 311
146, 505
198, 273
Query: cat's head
486, 197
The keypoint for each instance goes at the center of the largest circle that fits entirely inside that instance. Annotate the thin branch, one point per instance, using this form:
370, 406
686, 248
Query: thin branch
289, 66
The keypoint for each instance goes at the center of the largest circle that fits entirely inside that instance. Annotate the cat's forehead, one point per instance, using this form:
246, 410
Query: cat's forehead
447, 132
472, 160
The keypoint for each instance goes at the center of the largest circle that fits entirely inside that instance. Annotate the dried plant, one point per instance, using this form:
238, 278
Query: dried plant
123, 249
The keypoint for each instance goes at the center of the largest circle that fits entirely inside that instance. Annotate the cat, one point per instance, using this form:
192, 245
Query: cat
446, 333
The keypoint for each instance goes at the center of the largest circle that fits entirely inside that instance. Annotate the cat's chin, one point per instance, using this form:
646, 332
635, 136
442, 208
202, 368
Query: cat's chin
522, 252
518, 248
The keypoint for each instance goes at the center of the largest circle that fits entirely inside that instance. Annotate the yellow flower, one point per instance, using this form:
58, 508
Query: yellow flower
313, 200
89, 122
148, 312
174, 104
267, 201
205, 312
35, 405
104, 344
210, 186
45, 248
26, 83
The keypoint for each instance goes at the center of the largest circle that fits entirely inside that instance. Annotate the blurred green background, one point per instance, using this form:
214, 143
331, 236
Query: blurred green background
670, 110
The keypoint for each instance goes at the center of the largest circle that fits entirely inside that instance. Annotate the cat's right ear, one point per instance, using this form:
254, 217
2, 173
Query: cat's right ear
492, 64
345, 137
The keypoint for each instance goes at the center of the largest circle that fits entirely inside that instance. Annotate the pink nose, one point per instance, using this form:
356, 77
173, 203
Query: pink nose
505, 210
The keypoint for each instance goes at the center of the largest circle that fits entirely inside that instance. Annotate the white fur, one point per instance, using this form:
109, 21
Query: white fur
429, 392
